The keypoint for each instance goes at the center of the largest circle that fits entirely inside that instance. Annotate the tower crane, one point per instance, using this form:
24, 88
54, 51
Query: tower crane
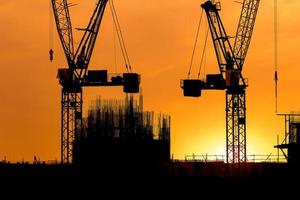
230, 59
76, 75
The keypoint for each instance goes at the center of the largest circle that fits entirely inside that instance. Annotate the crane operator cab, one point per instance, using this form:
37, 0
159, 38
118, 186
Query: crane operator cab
81, 59
65, 77
233, 77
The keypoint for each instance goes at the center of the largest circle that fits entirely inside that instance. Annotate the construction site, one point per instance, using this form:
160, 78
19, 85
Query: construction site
119, 137
117, 131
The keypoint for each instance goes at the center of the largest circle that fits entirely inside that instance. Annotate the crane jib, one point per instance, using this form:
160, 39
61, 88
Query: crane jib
234, 56
64, 27
245, 30
78, 61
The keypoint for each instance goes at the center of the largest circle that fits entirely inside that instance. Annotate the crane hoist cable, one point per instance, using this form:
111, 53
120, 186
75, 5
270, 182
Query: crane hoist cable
195, 44
121, 46
51, 32
115, 49
120, 36
203, 53
276, 52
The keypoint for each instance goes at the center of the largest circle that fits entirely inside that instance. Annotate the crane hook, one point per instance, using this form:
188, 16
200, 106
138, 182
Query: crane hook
51, 52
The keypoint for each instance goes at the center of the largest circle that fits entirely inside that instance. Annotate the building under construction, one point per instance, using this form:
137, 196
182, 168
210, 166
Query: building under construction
120, 131
290, 146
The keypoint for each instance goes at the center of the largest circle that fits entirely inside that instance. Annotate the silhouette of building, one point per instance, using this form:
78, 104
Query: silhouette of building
119, 131
290, 146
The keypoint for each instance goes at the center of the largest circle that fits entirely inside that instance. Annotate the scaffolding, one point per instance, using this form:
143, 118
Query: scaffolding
125, 119
290, 146
114, 127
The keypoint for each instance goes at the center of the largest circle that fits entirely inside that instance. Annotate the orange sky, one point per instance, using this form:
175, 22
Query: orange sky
159, 36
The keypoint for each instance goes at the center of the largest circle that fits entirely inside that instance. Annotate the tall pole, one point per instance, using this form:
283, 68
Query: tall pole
71, 116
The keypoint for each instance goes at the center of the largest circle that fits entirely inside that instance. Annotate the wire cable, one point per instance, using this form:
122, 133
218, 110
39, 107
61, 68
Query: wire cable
118, 34
276, 52
115, 50
121, 34
203, 53
195, 45
51, 33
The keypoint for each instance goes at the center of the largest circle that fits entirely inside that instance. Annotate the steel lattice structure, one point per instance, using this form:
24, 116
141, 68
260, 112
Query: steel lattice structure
245, 30
71, 116
64, 27
236, 147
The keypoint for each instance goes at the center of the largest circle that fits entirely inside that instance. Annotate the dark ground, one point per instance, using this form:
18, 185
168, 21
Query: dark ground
173, 179
215, 172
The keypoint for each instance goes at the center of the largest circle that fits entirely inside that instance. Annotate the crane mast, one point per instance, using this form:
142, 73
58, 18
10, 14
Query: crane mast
230, 61
76, 75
